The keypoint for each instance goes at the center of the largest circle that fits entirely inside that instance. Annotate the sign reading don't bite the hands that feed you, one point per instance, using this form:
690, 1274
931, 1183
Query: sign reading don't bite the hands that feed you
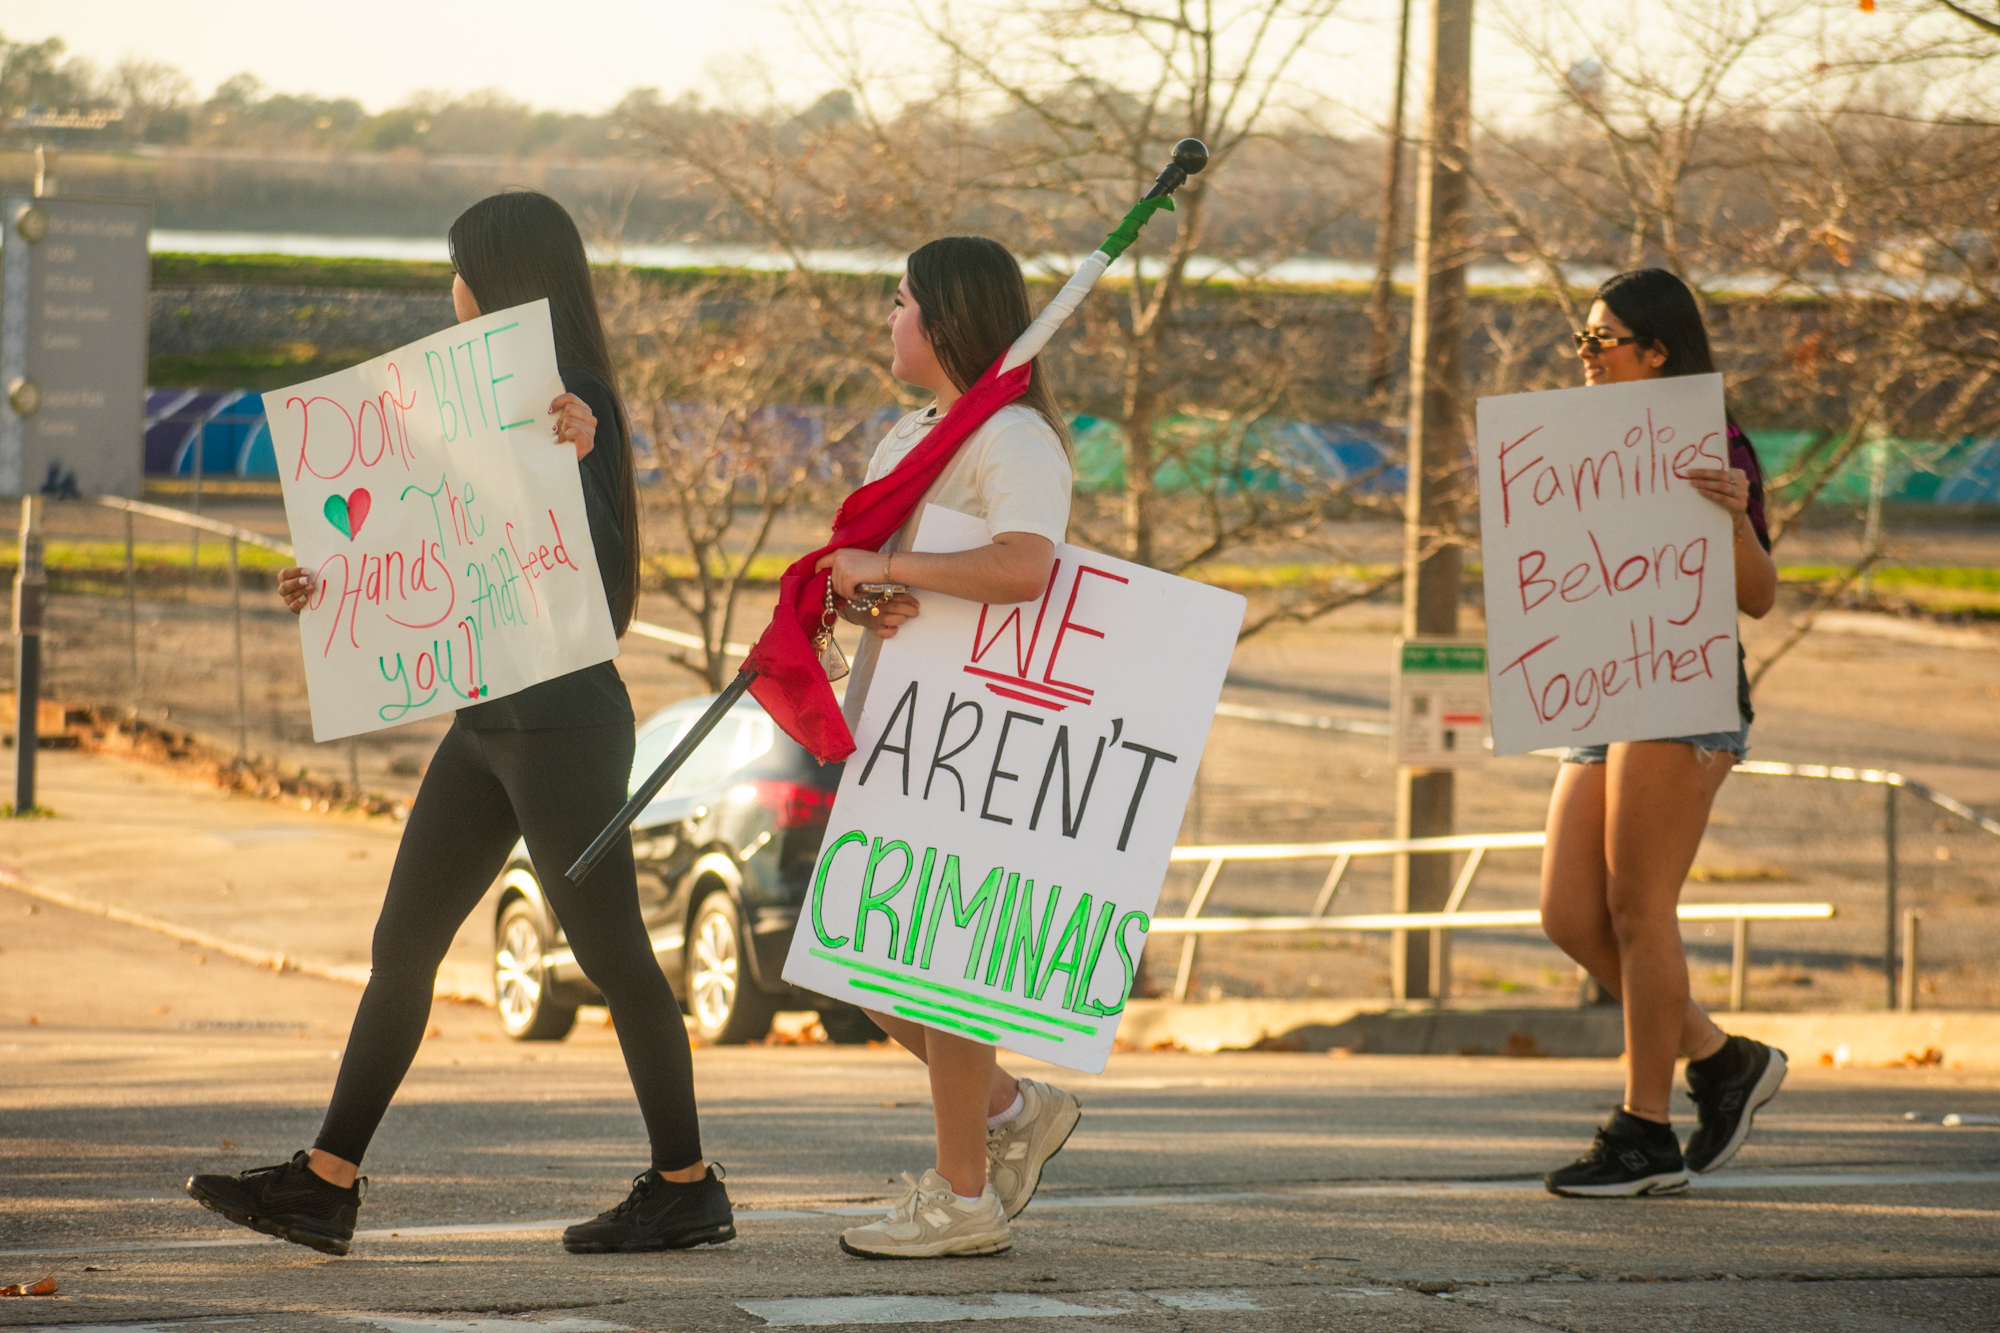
1004, 825
443, 524
1610, 580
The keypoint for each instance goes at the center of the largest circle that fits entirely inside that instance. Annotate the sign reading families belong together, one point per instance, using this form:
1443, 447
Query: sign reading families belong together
1003, 828
1610, 580
443, 525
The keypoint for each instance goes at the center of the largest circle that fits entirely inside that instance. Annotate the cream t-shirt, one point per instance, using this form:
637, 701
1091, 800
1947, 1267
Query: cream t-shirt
1013, 472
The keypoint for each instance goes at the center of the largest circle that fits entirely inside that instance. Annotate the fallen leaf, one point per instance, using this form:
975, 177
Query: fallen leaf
34, 1020
45, 1286
434, 1031
227, 1146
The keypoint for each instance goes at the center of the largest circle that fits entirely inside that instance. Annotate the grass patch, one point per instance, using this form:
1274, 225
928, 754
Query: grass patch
396, 275
1902, 576
271, 366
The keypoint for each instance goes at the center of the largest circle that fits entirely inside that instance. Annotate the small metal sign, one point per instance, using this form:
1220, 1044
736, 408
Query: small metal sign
1441, 714
73, 346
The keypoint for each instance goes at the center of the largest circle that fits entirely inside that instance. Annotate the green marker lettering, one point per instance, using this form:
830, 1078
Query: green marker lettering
872, 901
819, 885
1029, 948
1092, 1007
493, 382
962, 912
1077, 929
1000, 935
917, 908
1097, 935
434, 367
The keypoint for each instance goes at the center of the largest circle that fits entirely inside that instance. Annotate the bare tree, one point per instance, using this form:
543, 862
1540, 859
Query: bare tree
1832, 211
744, 419
1033, 127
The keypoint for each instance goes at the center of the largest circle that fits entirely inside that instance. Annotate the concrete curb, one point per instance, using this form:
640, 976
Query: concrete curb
1954, 1040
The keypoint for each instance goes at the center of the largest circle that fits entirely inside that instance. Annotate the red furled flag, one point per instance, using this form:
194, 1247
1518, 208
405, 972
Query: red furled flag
791, 683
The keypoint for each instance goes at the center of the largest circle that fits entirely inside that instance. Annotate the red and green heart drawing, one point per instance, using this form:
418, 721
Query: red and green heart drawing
347, 512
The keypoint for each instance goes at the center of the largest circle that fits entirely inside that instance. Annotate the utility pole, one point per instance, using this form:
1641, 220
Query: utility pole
30, 595
1439, 392
1389, 227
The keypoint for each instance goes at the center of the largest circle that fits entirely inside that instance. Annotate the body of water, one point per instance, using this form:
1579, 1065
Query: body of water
1305, 270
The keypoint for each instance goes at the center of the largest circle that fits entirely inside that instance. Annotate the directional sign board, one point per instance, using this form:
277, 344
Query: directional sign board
1440, 703
73, 346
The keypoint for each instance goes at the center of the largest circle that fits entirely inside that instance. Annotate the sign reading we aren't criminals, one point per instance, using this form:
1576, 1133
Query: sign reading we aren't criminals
443, 524
1004, 825
1610, 581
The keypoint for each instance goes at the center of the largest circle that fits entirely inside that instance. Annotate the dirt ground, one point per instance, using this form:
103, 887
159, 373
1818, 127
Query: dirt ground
1930, 710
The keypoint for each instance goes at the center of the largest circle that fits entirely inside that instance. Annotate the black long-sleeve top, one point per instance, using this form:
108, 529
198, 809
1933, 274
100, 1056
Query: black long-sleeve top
595, 695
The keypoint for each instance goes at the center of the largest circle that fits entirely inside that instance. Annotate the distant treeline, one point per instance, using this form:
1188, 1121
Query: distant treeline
149, 102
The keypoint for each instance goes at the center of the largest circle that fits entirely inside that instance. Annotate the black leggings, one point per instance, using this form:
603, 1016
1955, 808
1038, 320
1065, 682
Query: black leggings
483, 790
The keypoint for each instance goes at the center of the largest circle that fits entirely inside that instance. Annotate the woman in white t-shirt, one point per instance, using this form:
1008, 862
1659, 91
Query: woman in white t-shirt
961, 304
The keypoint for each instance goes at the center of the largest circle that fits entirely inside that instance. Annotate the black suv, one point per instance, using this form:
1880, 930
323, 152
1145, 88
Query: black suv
726, 853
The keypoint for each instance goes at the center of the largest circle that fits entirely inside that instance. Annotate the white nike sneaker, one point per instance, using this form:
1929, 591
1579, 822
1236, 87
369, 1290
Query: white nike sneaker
932, 1222
1017, 1151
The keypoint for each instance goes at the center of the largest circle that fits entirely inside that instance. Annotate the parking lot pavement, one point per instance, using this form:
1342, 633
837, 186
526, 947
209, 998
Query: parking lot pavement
253, 876
1262, 1192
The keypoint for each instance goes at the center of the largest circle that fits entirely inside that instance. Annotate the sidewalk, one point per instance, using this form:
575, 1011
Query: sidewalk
241, 876
256, 880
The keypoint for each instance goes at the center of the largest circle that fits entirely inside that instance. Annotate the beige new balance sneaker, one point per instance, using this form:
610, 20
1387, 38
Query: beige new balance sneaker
932, 1222
1017, 1151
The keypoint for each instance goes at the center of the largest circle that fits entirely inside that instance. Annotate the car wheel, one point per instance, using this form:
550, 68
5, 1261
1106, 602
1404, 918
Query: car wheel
848, 1026
522, 988
727, 1006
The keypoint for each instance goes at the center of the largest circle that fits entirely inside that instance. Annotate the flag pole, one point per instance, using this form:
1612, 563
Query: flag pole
643, 797
1190, 156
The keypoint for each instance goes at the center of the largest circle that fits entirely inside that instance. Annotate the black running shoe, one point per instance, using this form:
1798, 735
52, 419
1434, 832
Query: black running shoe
1728, 1101
659, 1215
290, 1201
1625, 1159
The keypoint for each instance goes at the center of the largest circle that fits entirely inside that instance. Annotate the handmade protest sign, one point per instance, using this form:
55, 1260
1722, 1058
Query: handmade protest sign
1610, 580
1003, 827
443, 524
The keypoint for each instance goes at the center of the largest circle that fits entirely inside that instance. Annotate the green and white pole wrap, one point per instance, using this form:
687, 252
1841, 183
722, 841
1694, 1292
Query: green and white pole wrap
1057, 312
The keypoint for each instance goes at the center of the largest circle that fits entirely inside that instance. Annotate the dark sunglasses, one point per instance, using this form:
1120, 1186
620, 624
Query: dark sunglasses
1595, 345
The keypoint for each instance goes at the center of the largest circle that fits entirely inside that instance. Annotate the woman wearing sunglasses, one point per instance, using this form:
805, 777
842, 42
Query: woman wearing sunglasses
1625, 820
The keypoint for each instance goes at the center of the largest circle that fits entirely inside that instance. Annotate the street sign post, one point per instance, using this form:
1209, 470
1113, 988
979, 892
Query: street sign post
73, 280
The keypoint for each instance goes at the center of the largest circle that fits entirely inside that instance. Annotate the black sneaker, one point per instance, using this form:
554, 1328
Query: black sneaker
659, 1215
1629, 1156
1727, 1098
290, 1201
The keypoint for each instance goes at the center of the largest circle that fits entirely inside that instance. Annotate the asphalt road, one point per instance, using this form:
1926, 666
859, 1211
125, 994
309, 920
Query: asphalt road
1252, 1192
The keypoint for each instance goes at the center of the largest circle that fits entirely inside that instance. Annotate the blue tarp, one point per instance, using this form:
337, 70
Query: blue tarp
234, 440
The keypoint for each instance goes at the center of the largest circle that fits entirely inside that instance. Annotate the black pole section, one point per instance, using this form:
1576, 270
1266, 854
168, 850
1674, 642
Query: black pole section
668, 767
30, 594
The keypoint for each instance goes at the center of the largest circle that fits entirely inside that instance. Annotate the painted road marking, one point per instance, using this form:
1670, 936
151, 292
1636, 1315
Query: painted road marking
1205, 1300
829, 1311
1738, 1180
401, 1323
172, 1326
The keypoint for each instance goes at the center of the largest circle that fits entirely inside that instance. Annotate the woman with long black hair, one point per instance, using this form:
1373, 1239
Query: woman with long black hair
549, 764
1626, 819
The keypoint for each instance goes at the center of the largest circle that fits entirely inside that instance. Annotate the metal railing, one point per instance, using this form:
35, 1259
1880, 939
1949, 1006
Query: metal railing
1903, 995
237, 537
1193, 925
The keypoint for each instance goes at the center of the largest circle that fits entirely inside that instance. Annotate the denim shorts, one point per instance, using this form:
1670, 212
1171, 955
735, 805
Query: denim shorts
1737, 742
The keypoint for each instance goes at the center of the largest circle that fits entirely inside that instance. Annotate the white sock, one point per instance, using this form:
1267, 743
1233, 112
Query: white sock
963, 1199
994, 1122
